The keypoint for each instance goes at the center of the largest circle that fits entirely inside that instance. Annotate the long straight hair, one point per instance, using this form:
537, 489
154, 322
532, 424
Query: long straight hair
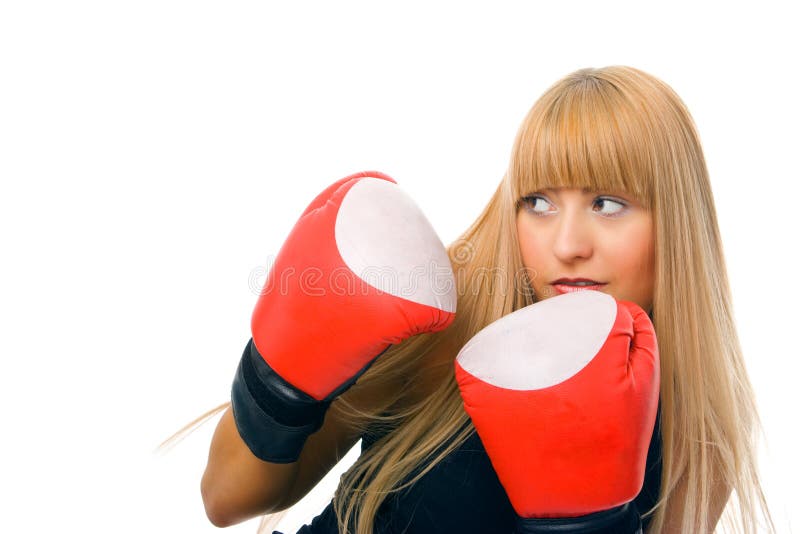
621, 128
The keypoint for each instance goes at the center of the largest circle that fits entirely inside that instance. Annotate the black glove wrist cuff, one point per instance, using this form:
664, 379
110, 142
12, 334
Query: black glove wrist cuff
273, 417
620, 520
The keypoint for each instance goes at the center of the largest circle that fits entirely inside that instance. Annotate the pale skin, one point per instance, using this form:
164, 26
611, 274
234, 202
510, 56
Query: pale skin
602, 236
605, 236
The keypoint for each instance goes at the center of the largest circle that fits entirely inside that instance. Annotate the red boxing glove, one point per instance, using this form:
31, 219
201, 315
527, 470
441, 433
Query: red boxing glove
361, 270
563, 394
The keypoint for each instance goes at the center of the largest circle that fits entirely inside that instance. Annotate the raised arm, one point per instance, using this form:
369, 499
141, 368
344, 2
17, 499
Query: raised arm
361, 270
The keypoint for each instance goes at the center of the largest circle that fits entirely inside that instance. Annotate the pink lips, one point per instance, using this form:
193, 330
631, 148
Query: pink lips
564, 288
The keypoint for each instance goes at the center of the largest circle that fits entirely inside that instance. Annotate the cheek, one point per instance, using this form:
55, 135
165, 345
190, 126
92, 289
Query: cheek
645, 253
532, 252
634, 245
631, 261
528, 247
635, 264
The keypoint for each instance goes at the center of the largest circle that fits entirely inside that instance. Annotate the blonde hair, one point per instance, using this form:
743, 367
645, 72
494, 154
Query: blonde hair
610, 128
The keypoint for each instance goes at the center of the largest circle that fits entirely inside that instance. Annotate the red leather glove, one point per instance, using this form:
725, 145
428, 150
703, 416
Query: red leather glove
563, 393
361, 270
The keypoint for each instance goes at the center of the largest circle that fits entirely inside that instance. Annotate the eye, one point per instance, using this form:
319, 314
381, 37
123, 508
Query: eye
530, 202
611, 202
537, 205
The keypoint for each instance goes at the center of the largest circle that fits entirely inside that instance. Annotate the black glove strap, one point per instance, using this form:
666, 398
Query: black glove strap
620, 520
273, 417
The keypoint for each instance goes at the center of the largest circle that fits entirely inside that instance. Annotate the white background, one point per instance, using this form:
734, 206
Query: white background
153, 155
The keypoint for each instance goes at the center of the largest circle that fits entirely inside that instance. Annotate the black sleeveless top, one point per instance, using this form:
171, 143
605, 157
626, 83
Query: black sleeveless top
462, 494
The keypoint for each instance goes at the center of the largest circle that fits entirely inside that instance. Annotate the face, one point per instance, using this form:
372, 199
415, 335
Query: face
606, 237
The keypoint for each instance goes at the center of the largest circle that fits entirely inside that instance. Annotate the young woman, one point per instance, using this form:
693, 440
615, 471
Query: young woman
606, 182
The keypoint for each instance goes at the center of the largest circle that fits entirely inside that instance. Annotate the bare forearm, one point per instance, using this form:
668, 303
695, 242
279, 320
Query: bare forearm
236, 485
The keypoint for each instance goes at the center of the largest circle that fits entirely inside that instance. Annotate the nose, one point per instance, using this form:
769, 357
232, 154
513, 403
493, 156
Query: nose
573, 237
